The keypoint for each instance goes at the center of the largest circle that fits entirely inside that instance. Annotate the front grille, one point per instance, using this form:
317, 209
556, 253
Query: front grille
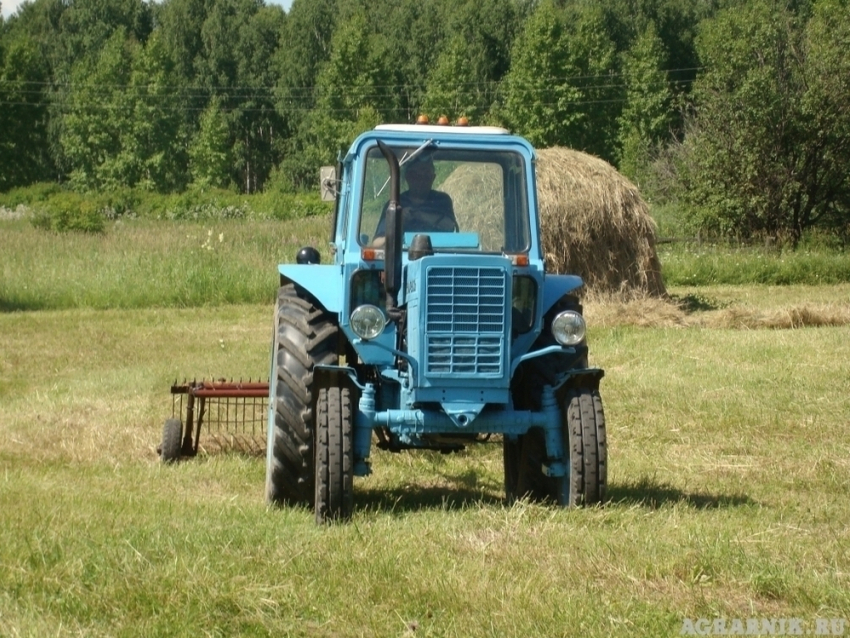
465, 320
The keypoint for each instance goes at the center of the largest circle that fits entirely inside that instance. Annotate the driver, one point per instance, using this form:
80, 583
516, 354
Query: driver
423, 209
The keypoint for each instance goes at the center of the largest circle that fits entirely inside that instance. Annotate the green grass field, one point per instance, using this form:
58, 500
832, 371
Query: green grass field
729, 468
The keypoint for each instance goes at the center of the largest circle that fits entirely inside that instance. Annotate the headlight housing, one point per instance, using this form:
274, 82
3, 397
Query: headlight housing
367, 321
569, 328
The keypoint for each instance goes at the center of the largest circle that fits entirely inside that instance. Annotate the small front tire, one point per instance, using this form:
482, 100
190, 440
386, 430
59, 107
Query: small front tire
585, 447
334, 455
523, 460
584, 433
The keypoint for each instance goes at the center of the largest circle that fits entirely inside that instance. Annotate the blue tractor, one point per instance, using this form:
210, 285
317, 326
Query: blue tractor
435, 327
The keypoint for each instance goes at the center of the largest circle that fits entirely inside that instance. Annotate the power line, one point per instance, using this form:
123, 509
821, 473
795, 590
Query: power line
297, 91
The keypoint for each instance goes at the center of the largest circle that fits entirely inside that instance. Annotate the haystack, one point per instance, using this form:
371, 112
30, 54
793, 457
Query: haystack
595, 224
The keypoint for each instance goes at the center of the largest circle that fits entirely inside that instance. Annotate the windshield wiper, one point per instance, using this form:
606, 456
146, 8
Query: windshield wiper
404, 160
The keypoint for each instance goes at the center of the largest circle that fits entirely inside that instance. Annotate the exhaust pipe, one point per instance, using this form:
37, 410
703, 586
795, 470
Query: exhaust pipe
392, 248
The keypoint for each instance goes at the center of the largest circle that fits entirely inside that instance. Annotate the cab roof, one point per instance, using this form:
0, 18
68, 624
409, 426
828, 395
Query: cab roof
437, 128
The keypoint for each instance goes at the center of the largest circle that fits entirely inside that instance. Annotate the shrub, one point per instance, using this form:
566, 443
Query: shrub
28, 195
70, 212
278, 205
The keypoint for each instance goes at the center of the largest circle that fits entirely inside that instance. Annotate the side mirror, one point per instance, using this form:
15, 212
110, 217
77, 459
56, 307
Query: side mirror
327, 183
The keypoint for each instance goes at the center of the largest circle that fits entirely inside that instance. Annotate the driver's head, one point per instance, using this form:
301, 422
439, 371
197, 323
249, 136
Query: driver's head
419, 175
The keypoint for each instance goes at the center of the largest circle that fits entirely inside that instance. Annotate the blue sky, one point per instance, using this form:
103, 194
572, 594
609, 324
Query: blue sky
10, 6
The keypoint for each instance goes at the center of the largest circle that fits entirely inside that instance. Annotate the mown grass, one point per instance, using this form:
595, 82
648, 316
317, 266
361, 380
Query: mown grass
728, 480
728, 473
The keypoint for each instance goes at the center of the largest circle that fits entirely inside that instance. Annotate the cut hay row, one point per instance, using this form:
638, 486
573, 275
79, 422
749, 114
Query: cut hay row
653, 312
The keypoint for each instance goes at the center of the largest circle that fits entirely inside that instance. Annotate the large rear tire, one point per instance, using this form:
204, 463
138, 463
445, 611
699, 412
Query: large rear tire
305, 335
334, 455
523, 460
585, 443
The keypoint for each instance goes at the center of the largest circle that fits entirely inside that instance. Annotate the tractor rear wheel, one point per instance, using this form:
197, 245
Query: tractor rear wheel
523, 459
305, 336
585, 445
334, 455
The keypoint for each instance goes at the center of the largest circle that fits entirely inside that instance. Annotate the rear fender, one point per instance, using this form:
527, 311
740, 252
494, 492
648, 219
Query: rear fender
322, 282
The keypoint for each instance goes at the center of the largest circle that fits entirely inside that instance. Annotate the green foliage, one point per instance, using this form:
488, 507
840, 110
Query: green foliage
826, 111
209, 153
645, 119
99, 115
238, 39
28, 195
457, 86
559, 91
153, 145
122, 128
352, 87
471, 60
219, 204
769, 147
276, 205
88, 25
23, 113
115, 94
195, 204
537, 92
70, 212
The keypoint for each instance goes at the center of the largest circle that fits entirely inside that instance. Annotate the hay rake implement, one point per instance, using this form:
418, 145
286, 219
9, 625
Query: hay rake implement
233, 413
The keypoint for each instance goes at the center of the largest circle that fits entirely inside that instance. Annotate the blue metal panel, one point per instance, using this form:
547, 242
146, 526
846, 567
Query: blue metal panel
465, 391
378, 351
447, 240
465, 321
323, 282
459, 327
556, 286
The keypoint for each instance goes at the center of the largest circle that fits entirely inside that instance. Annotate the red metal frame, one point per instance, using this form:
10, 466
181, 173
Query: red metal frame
242, 401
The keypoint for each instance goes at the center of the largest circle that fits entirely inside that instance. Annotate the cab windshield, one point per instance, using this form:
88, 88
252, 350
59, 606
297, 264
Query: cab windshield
466, 200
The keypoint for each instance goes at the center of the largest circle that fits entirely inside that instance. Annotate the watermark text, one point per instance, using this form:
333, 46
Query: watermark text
763, 627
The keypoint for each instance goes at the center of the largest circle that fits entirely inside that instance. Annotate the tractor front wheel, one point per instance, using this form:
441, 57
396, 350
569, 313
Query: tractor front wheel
334, 455
584, 433
523, 459
585, 448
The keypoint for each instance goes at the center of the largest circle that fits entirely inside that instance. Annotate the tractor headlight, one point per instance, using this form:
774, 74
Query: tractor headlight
569, 328
367, 321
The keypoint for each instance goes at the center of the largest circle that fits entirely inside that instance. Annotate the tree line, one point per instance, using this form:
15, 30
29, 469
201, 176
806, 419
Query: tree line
736, 110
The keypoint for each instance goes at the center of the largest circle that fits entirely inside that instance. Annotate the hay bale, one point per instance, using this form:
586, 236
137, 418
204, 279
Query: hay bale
595, 224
